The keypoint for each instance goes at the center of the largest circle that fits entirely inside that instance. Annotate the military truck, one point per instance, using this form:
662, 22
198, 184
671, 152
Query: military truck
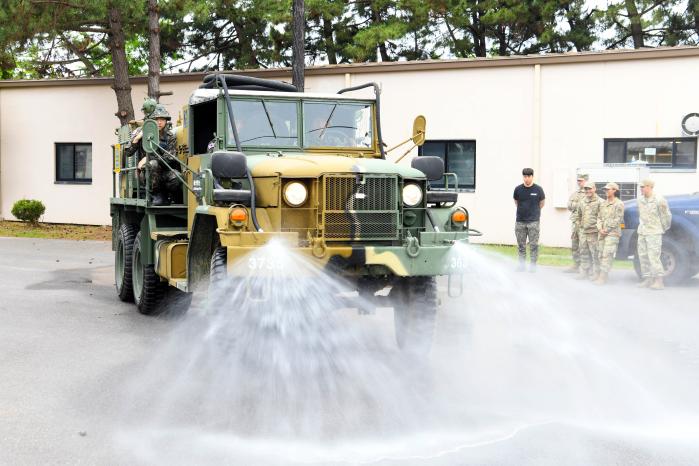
259, 160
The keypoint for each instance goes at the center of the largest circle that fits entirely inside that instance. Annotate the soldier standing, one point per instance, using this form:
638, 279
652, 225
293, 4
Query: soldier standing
609, 221
529, 198
573, 202
654, 220
588, 211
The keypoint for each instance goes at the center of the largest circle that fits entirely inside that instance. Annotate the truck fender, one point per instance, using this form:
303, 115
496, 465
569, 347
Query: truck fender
202, 242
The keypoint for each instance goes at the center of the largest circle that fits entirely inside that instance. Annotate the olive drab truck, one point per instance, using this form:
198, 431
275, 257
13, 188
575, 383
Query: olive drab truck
258, 160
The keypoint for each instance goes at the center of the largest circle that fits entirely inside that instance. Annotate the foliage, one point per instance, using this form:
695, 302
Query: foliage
54, 38
28, 210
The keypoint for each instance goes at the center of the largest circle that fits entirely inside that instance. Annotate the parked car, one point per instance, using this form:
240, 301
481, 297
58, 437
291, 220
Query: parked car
680, 254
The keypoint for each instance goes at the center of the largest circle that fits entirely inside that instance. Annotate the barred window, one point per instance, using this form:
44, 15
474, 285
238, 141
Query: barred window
74, 162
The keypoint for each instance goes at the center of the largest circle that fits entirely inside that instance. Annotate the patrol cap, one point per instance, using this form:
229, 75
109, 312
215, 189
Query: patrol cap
583, 176
611, 186
589, 184
648, 182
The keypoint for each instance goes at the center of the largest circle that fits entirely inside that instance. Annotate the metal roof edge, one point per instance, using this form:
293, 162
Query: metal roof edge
382, 67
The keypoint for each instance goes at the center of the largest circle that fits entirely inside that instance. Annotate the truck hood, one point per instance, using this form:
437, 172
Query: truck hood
314, 165
678, 204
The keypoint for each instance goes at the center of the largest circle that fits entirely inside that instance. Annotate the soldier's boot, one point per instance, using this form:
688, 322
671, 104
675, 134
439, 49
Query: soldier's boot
522, 265
657, 284
645, 283
572, 269
594, 276
602, 279
583, 275
159, 199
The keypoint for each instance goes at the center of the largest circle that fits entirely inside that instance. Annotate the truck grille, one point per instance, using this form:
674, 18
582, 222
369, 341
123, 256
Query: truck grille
360, 207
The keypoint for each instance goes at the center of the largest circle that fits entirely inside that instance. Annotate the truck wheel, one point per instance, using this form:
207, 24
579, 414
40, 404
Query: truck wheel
676, 264
414, 314
123, 256
217, 273
148, 290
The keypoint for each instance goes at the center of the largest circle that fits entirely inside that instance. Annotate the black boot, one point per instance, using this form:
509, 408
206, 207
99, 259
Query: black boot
158, 199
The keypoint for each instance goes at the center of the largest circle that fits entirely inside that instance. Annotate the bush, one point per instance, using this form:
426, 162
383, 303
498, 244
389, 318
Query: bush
28, 210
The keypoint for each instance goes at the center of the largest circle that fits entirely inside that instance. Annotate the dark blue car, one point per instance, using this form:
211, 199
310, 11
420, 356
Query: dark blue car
680, 255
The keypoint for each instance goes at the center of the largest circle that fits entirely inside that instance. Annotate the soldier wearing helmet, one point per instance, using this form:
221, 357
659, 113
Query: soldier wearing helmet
609, 221
165, 187
588, 211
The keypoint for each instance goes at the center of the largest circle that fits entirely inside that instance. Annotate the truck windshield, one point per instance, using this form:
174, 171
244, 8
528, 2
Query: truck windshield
265, 123
337, 124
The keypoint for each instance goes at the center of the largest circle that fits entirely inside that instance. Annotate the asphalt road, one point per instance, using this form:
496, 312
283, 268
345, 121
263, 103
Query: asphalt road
526, 369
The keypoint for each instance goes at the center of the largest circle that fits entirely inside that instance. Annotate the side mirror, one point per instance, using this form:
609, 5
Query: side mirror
432, 167
151, 136
419, 130
229, 164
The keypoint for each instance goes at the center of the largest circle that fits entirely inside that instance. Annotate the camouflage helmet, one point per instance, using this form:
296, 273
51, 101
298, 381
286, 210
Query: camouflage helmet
590, 184
159, 112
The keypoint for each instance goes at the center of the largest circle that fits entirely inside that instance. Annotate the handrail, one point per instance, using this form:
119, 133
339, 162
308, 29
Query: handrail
377, 93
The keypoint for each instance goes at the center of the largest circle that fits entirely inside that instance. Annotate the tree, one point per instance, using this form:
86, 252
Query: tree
638, 23
154, 50
298, 27
55, 37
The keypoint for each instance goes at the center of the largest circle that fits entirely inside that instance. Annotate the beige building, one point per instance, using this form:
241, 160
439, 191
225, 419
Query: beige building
488, 117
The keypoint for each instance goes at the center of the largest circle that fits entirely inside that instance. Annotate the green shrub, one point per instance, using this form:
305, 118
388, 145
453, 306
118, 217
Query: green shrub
28, 210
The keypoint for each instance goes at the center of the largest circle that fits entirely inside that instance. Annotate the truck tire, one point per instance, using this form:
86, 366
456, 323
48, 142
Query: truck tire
148, 290
217, 274
676, 265
123, 256
414, 314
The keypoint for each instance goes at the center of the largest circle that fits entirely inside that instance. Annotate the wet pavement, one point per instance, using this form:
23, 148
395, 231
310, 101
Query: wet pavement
538, 369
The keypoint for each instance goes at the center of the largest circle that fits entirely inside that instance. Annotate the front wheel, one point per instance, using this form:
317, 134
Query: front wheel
148, 290
415, 313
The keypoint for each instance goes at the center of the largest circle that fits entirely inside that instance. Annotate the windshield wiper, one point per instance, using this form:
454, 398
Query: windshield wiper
269, 119
327, 122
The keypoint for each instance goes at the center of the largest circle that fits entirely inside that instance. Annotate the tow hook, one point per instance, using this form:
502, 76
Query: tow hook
412, 246
455, 285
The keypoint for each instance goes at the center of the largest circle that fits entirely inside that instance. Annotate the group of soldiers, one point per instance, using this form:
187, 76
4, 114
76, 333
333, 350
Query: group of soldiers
597, 225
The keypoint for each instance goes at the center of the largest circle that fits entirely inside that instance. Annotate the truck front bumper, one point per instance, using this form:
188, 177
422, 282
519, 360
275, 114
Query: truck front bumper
429, 255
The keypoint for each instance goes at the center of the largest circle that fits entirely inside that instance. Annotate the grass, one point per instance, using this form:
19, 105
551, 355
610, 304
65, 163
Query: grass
55, 231
557, 257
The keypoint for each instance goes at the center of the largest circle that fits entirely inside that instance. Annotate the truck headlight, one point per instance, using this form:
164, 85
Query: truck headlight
412, 194
295, 193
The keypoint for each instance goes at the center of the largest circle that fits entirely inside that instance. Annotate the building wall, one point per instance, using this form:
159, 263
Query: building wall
551, 117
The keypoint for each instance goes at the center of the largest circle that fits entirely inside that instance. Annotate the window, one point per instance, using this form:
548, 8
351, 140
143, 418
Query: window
459, 157
657, 152
337, 124
74, 162
263, 122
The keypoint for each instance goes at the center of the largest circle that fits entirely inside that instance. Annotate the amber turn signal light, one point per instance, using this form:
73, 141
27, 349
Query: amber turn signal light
458, 216
238, 216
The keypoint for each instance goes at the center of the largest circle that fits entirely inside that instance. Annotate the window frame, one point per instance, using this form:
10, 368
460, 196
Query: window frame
657, 166
466, 188
58, 179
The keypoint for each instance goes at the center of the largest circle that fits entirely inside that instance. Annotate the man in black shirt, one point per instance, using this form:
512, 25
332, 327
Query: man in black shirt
529, 198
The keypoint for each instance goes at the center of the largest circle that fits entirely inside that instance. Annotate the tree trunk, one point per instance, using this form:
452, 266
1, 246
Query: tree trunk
329, 41
636, 27
478, 34
121, 86
153, 50
298, 53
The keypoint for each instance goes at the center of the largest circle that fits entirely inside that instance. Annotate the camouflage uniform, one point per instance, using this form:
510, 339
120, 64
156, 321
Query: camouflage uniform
654, 220
573, 202
611, 217
588, 210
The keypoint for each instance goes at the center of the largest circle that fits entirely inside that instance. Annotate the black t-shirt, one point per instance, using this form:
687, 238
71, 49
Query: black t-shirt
528, 199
